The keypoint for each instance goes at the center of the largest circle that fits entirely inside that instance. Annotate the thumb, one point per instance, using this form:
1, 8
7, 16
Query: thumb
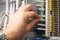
30, 25
33, 22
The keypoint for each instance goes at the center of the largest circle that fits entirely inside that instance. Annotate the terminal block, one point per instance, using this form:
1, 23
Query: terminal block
55, 13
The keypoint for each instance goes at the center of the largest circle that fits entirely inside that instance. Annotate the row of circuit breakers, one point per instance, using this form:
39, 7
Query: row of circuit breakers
48, 28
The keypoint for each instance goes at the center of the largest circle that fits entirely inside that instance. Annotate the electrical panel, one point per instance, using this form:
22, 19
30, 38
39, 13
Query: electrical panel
48, 28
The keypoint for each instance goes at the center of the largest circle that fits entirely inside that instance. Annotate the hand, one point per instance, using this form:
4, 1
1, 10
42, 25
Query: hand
19, 23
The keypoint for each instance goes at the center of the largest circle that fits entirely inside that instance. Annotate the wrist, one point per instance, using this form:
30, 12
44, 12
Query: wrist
9, 35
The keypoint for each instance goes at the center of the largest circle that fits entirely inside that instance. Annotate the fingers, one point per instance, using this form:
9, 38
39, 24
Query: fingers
28, 7
33, 22
31, 14
30, 25
31, 11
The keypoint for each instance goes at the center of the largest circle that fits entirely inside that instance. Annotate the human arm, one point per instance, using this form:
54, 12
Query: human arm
19, 23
